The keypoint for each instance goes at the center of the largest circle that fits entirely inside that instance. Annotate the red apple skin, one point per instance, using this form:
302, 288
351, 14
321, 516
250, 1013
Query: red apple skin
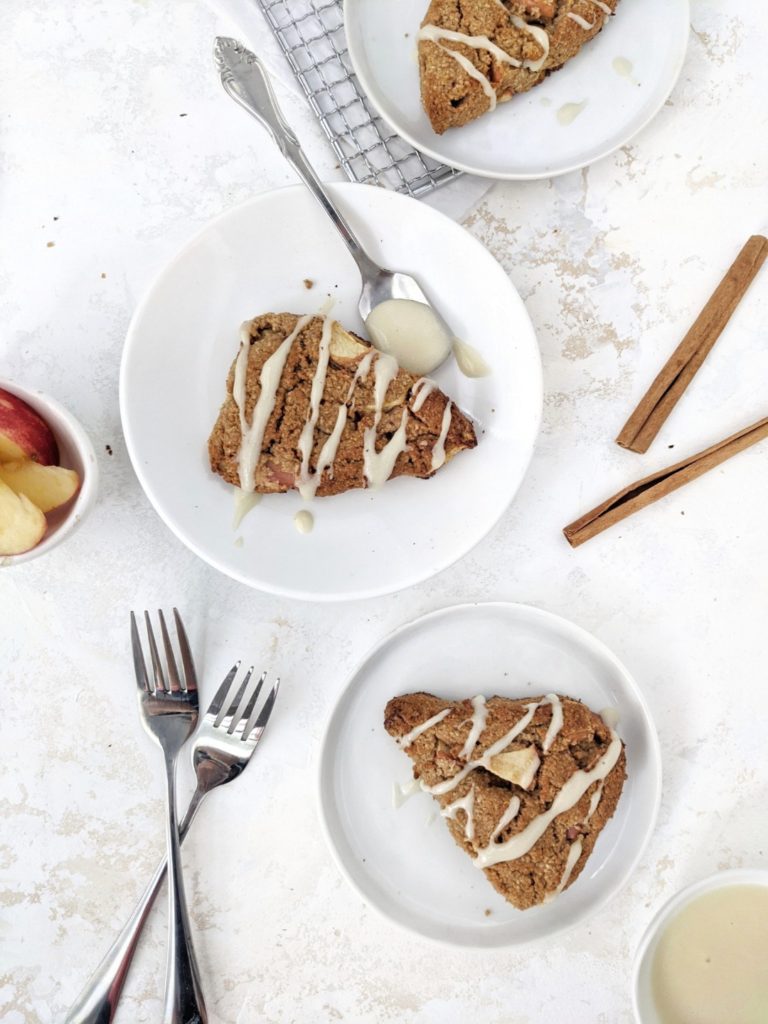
22, 426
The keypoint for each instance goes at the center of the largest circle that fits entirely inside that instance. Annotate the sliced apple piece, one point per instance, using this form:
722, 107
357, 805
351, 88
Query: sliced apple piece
517, 766
24, 434
22, 524
45, 486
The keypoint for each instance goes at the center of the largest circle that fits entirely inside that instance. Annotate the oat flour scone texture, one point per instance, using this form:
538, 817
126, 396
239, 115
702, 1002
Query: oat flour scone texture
543, 822
345, 393
461, 79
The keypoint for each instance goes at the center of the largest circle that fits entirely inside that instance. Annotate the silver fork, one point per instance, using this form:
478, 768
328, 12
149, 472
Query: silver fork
245, 79
168, 708
223, 747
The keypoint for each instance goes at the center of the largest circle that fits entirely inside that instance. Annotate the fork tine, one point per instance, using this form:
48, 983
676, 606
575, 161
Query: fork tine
235, 703
173, 673
246, 715
241, 693
138, 658
157, 668
252, 731
190, 677
214, 708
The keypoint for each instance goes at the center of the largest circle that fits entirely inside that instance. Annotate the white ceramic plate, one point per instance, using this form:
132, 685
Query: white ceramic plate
254, 259
524, 138
403, 861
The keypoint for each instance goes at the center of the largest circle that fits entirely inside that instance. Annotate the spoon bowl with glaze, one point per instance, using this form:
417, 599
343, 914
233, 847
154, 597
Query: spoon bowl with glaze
394, 307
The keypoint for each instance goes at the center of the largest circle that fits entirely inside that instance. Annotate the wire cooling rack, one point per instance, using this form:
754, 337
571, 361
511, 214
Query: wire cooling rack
311, 35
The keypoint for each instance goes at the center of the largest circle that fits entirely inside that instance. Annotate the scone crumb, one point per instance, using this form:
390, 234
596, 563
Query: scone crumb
308, 283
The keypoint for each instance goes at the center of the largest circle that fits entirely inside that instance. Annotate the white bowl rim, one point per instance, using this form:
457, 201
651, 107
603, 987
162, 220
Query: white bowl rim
710, 883
38, 400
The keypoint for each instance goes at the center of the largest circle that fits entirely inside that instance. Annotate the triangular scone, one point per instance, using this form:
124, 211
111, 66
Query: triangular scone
474, 54
334, 437
526, 786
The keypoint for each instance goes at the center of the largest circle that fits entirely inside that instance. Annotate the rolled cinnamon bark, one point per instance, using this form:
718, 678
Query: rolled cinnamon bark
638, 495
678, 372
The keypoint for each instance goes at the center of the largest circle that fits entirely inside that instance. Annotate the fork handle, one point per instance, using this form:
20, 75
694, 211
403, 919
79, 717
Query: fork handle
184, 1003
245, 79
97, 1003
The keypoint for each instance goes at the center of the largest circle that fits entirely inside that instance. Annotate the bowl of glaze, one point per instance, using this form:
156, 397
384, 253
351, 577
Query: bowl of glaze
643, 1000
75, 452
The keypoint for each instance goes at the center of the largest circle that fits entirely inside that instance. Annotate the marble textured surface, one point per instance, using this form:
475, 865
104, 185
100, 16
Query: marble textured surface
116, 146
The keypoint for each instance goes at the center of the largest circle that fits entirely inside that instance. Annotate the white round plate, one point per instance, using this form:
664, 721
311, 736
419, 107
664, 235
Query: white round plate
404, 861
524, 138
254, 259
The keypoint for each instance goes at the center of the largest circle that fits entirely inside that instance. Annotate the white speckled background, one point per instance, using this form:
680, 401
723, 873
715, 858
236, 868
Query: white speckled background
613, 262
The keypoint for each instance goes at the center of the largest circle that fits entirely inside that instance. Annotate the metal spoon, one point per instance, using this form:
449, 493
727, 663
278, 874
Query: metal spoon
245, 79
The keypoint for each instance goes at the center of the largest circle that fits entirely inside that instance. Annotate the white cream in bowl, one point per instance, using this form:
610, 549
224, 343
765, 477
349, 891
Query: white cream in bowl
704, 958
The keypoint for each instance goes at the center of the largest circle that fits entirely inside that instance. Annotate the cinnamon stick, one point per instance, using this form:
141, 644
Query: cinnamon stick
678, 372
638, 495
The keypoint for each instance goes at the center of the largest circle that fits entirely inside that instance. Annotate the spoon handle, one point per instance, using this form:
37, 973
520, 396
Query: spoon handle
245, 79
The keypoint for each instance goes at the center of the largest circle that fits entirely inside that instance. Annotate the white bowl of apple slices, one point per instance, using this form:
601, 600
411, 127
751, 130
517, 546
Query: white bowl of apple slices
48, 473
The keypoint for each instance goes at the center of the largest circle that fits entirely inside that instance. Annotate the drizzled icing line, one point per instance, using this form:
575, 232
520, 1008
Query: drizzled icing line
581, 22
438, 452
574, 852
378, 466
437, 35
574, 789
495, 748
509, 815
569, 795
421, 391
467, 804
306, 439
325, 460
252, 435
479, 716
405, 741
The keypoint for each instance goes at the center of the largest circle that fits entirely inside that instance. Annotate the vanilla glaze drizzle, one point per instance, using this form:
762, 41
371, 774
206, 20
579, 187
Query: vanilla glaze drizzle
569, 795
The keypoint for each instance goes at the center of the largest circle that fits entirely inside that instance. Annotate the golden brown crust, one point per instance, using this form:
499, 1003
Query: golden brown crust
451, 97
279, 463
581, 742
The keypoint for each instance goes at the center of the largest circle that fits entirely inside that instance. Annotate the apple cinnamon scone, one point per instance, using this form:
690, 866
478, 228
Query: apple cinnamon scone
313, 407
525, 786
474, 54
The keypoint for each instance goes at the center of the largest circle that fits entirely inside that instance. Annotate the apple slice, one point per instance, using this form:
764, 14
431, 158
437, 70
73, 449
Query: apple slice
45, 486
22, 524
517, 766
24, 434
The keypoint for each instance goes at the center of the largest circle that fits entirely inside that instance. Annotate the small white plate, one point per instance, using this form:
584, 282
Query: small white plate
403, 861
643, 1002
254, 259
524, 137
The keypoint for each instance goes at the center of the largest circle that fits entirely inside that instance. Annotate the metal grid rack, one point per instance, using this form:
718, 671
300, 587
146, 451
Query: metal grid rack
311, 35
